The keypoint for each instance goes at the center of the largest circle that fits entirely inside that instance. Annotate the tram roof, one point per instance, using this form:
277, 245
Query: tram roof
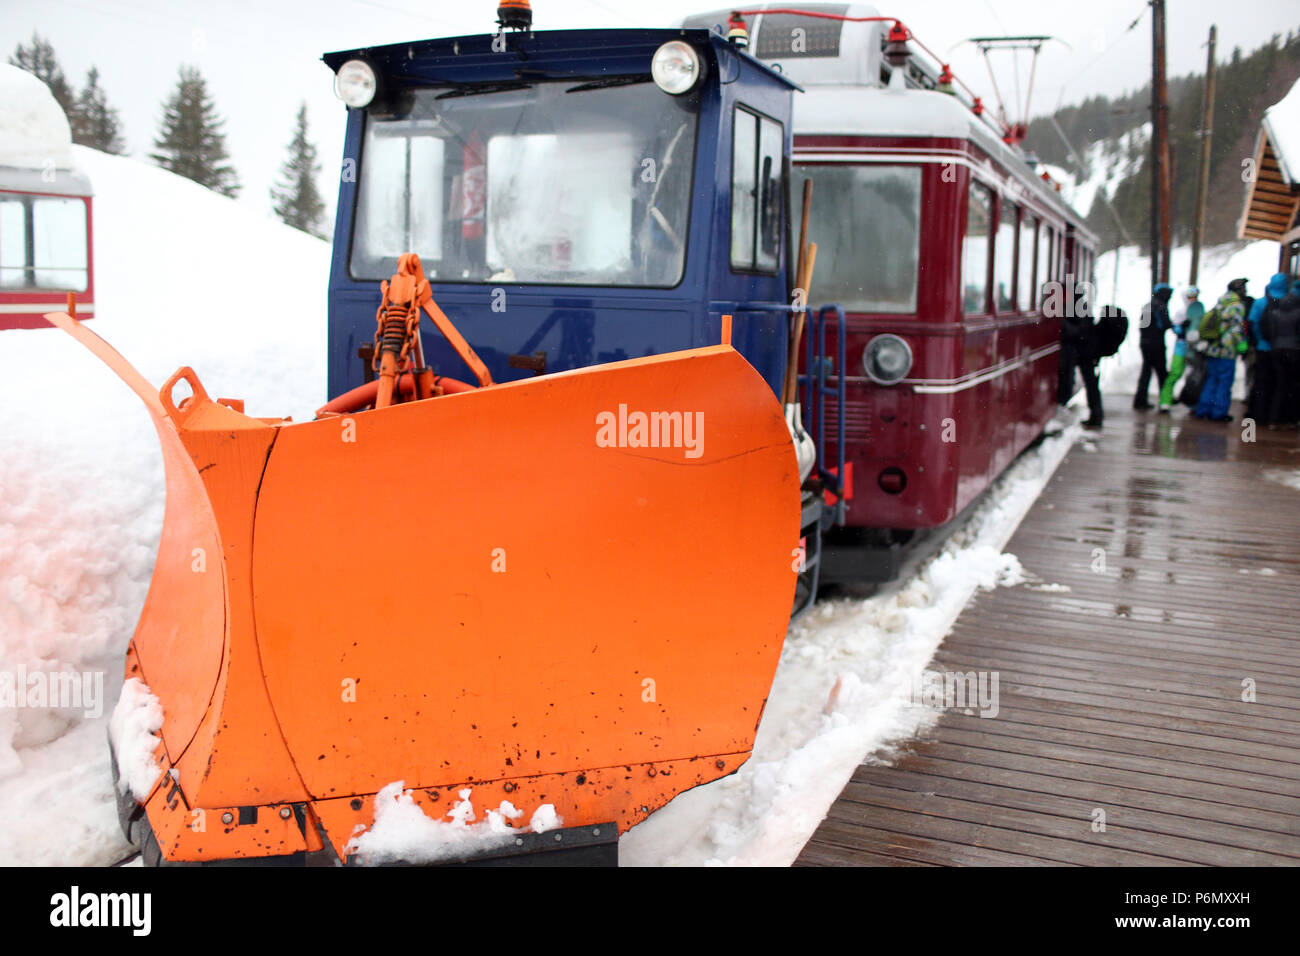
913, 113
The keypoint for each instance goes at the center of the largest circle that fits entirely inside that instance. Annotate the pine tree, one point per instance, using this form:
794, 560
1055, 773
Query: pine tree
296, 199
40, 61
190, 142
96, 124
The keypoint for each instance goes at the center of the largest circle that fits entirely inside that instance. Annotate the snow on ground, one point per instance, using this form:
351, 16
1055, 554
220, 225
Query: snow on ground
1284, 477
133, 731
182, 277
402, 832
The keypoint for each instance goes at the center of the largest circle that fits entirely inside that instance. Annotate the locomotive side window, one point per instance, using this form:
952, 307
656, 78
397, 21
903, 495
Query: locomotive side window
1025, 268
1004, 253
975, 250
757, 193
43, 243
867, 221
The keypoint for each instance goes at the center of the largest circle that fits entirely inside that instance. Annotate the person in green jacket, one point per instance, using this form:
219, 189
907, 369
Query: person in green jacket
1186, 323
1223, 329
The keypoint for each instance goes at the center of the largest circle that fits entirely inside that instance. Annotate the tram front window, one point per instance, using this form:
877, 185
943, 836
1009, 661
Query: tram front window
43, 243
866, 222
550, 183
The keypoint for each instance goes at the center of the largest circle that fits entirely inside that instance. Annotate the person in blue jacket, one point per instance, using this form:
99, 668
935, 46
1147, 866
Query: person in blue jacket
1153, 324
1259, 403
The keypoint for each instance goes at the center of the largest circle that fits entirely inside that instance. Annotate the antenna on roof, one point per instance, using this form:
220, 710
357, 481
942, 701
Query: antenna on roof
1015, 124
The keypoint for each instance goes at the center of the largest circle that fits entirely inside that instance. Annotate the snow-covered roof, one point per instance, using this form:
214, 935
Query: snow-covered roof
1272, 207
34, 132
1282, 123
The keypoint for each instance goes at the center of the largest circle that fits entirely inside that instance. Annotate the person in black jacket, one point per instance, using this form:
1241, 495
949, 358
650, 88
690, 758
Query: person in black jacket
1153, 324
1079, 350
1280, 325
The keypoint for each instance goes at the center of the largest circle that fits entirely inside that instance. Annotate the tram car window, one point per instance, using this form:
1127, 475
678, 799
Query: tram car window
1004, 257
1044, 260
785, 36
975, 249
1025, 267
43, 243
846, 199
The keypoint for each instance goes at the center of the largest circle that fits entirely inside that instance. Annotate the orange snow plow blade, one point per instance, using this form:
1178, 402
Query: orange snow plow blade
569, 590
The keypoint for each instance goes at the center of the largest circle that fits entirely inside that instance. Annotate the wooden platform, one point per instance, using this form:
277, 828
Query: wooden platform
1124, 693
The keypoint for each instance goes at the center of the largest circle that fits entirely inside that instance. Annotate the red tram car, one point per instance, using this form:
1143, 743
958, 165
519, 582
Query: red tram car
938, 237
45, 211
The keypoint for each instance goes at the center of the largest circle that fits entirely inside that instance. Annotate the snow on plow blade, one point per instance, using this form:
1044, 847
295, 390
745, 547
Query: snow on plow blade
570, 590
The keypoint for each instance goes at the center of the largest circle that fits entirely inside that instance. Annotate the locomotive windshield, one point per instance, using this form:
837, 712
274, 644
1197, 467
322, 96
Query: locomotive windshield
551, 183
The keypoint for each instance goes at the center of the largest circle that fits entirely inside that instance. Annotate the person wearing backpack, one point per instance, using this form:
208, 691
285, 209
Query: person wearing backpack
1259, 404
1080, 350
1153, 323
1223, 329
1188, 318
1281, 325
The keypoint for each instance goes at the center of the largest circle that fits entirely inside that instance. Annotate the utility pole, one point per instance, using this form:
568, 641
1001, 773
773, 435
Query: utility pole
1203, 183
1161, 232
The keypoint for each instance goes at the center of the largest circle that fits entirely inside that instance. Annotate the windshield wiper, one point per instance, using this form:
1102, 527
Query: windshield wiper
526, 78
474, 89
609, 81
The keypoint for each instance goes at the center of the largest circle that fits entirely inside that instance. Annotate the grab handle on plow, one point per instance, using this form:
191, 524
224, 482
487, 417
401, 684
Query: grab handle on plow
176, 413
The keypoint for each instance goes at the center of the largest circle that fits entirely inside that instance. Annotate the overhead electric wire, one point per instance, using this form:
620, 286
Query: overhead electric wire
1095, 60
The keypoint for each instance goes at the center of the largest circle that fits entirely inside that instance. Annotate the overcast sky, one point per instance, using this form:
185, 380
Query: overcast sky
262, 57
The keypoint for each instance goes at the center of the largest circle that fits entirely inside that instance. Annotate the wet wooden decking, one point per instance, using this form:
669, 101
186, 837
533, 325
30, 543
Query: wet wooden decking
1124, 693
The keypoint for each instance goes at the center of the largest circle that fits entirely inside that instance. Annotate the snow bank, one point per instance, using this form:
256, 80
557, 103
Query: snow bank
183, 277
134, 732
1283, 122
34, 131
402, 832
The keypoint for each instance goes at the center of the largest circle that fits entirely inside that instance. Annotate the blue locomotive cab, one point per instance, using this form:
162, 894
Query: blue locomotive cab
576, 197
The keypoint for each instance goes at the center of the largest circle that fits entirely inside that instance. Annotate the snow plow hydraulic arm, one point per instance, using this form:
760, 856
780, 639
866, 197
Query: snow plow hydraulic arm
397, 335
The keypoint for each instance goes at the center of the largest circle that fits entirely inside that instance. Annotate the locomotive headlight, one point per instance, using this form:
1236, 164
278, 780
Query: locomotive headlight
676, 67
356, 84
887, 359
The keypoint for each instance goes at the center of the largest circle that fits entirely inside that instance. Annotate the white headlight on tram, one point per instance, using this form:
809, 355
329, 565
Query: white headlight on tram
676, 67
887, 359
356, 84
